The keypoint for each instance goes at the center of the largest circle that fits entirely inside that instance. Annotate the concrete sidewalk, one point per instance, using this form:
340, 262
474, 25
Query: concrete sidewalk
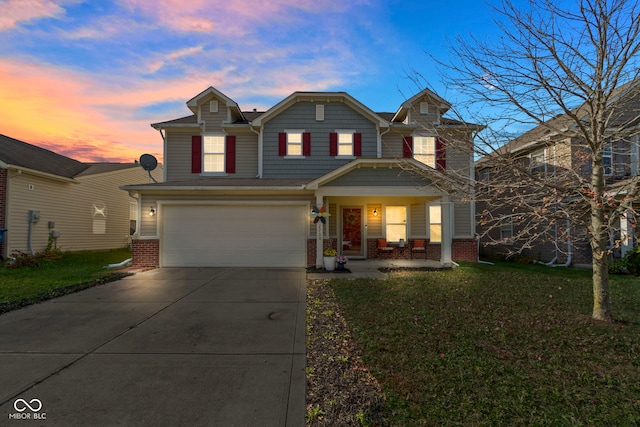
369, 268
215, 347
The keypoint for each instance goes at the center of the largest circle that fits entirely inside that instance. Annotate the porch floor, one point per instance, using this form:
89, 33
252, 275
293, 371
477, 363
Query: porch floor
369, 268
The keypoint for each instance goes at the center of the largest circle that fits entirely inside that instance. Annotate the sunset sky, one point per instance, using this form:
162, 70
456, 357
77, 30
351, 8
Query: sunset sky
86, 78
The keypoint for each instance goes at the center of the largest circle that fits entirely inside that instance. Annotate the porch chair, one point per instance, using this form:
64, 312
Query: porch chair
418, 245
383, 248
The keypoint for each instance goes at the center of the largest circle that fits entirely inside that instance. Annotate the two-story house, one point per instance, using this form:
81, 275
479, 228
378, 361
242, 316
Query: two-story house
551, 228
316, 170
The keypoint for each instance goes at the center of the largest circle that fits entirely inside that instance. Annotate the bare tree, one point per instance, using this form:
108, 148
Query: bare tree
570, 71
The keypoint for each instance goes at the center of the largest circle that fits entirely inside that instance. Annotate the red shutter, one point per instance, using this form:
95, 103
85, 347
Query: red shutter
357, 144
230, 151
441, 154
407, 147
333, 144
282, 144
196, 154
306, 144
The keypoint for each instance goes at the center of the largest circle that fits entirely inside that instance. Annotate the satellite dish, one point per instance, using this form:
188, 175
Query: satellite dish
149, 163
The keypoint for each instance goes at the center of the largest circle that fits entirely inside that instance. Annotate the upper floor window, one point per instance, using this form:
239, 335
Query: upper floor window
213, 153
345, 142
424, 150
424, 108
538, 163
294, 142
213, 106
634, 155
607, 159
396, 223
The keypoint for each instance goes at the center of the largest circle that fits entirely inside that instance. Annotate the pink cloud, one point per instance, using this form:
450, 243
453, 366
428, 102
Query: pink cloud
172, 56
232, 17
13, 12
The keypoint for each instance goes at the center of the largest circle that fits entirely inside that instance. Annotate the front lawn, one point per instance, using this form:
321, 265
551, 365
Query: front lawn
54, 277
496, 345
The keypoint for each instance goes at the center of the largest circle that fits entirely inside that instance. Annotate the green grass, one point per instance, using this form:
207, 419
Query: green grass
504, 345
54, 277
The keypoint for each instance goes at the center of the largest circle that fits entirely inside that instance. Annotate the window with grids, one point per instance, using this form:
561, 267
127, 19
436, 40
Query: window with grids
607, 159
506, 229
396, 223
424, 150
213, 153
345, 143
435, 224
294, 142
538, 163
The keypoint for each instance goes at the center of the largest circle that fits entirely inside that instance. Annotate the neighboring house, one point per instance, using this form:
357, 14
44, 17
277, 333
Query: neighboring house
44, 194
551, 155
239, 187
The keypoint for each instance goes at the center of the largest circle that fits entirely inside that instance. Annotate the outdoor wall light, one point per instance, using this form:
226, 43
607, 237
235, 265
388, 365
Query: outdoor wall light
152, 211
375, 212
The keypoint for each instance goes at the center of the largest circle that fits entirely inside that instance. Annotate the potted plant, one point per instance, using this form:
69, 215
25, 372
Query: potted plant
341, 260
330, 259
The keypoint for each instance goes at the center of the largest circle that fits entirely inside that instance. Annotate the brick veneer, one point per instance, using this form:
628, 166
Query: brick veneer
464, 250
146, 253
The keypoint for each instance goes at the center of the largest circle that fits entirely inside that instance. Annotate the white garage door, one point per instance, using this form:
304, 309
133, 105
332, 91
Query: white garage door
233, 235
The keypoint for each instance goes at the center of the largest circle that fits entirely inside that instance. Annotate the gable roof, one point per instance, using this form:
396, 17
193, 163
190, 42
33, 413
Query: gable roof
230, 103
17, 153
441, 103
20, 154
625, 113
319, 96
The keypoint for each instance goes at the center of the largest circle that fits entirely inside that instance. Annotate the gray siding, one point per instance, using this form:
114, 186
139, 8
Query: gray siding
379, 177
302, 115
179, 154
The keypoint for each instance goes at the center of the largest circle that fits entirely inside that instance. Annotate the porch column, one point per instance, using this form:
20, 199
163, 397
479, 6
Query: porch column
447, 231
626, 233
319, 237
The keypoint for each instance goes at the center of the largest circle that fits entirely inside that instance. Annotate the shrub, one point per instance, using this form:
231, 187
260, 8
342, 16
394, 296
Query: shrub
632, 261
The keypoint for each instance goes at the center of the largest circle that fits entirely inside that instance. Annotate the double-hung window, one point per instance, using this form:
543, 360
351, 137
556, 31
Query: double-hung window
424, 150
634, 155
294, 142
538, 163
345, 142
213, 153
396, 223
607, 159
506, 229
435, 224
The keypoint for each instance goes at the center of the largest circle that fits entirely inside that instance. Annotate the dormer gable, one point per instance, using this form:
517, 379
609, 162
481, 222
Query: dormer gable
212, 101
425, 104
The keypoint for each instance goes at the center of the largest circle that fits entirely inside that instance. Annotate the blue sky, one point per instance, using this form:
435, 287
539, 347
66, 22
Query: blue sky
86, 78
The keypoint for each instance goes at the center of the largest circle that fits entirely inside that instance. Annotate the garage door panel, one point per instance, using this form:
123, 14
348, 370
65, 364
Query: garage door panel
228, 235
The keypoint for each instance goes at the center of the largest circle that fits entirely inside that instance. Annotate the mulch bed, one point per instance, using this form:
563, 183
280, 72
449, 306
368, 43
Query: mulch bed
323, 271
340, 389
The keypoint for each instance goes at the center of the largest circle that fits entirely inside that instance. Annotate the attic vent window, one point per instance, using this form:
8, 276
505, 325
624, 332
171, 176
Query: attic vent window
319, 112
424, 108
213, 106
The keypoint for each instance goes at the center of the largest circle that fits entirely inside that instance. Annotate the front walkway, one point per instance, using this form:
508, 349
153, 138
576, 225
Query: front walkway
370, 268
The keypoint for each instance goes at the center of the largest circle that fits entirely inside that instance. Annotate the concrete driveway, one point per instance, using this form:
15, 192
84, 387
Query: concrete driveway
174, 346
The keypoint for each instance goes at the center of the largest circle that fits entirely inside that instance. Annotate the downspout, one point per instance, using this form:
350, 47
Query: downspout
569, 248
379, 153
164, 150
6, 213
